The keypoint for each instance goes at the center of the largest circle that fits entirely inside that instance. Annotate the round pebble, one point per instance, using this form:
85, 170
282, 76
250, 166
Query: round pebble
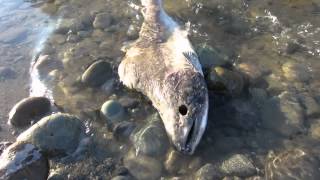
123, 130
57, 134
27, 110
113, 111
238, 165
97, 74
296, 71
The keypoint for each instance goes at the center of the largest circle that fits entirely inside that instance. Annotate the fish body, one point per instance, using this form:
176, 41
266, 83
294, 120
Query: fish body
163, 66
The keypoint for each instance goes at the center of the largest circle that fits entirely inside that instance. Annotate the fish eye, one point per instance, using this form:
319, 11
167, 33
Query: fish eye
183, 110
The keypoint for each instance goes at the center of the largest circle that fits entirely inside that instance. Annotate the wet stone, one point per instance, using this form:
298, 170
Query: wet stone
23, 161
133, 32
296, 71
7, 73
173, 162
28, 110
143, 167
72, 38
251, 71
221, 80
113, 111
208, 172
97, 74
238, 165
293, 164
314, 130
312, 107
67, 25
210, 57
151, 139
56, 135
123, 130
102, 21
121, 178
58, 39
283, 114
292, 47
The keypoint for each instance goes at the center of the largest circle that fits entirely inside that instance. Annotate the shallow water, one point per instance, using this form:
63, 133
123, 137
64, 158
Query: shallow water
278, 112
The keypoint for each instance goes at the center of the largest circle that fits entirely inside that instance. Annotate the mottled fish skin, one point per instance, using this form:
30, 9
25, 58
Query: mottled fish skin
162, 65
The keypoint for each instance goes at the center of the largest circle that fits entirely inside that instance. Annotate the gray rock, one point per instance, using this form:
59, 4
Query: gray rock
123, 130
283, 114
102, 20
151, 139
314, 130
208, 172
57, 134
210, 57
251, 71
67, 25
23, 161
72, 38
222, 80
97, 74
312, 108
293, 164
238, 165
296, 71
28, 110
112, 111
143, 167
7, 73
173, 162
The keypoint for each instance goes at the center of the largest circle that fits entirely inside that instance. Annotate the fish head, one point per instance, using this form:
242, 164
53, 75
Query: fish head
184, 109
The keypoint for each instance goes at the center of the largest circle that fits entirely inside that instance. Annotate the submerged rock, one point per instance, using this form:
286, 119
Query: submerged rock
293, 164
123, 130
312, 107
210, 57
143, 167
97, 74
314, 130
102, 20
283, 114
296, 72
208, 172
113, 111
27, 110
173, 162
57, 134
238, 165
252, 72
23, 161
222, 80
151, 139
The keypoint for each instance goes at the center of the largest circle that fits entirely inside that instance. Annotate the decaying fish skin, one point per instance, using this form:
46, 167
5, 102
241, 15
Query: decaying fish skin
162, 65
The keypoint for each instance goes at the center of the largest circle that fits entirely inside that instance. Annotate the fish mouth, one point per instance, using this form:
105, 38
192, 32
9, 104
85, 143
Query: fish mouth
189, 145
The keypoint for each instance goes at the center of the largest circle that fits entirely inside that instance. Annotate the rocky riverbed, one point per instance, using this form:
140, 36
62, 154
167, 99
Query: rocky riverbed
65, 115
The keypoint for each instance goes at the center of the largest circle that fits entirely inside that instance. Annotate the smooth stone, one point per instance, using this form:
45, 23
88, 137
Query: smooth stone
208, 172
68, 24
210, 57
314, 130
173, 162
45, 64
58, 39
102, 21
292, 164
123, 130
222, 80
152, 139
7, 73
113, 111
296, 71
283, 114
143, 167
56, 135
312, 107
251, 71
72, 38
84, 34
28, 110
49, 8
23, 161
97, 74
238, 165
